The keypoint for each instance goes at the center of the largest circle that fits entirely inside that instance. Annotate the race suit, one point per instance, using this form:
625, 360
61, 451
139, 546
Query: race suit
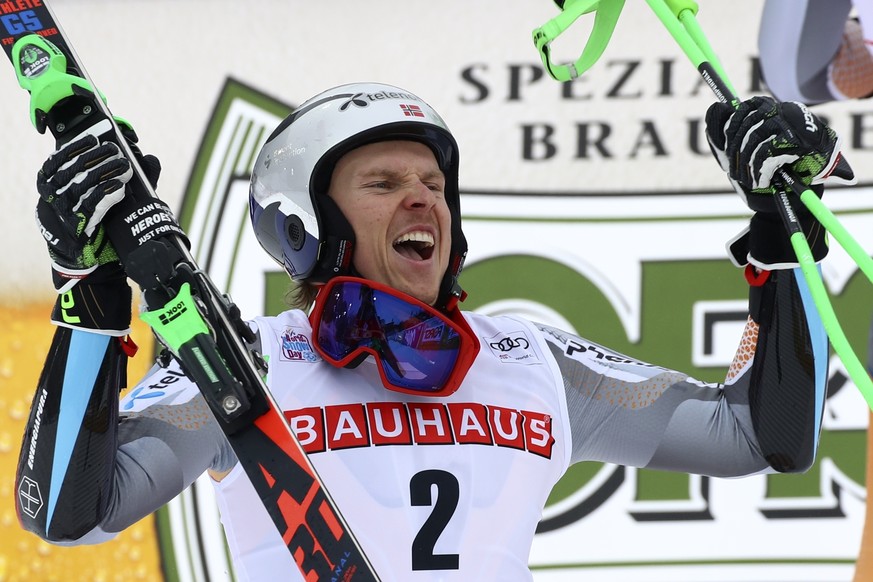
536, 400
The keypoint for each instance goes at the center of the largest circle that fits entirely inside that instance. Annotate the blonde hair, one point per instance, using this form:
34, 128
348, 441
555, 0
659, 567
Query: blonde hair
301, 295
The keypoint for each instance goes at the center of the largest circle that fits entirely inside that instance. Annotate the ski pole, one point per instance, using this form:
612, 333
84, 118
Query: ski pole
679, 17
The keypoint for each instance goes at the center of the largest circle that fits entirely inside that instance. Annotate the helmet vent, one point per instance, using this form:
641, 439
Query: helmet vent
296, 232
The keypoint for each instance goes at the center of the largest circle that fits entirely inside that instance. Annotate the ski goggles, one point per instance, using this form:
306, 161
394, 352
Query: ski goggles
418, 349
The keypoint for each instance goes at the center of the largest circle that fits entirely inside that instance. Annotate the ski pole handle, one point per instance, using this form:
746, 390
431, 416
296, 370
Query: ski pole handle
683, 26
679, 17
606, 15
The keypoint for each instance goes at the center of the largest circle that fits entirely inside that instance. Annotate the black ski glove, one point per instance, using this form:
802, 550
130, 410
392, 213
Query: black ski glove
78, 185
751, 144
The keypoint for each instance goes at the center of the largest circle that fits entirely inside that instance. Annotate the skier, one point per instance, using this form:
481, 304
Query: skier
816, 51
356, 195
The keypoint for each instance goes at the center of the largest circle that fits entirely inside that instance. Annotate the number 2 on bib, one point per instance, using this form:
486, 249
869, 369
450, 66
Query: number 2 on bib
421, 487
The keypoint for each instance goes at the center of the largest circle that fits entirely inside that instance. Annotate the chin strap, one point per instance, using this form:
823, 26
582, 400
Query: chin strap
450, 289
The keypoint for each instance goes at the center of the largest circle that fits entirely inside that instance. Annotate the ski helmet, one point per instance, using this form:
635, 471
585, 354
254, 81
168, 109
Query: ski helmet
295, 220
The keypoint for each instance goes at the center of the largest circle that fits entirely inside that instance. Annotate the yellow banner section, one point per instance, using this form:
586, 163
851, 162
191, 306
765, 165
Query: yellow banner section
25, 336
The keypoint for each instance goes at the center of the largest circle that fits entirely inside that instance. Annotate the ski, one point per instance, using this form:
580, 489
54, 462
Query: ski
197, 324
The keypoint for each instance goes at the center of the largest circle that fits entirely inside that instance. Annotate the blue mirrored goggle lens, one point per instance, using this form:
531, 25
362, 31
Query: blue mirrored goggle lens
417, 349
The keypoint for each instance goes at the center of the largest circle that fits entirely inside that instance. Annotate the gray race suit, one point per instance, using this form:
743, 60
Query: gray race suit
121, 467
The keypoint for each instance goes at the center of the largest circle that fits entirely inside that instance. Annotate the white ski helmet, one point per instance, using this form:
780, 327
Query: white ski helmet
294, 219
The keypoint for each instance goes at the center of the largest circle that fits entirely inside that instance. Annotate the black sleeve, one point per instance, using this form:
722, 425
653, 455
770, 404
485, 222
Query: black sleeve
788, 380
67, 455
90, 466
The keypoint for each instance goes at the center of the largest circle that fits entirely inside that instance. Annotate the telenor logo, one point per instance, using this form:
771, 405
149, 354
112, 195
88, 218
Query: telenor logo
364, 100
354, 100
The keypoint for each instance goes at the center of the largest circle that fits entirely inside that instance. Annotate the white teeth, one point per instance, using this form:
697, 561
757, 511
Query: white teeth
416, 236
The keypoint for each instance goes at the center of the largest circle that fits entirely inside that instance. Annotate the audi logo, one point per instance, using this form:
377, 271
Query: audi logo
510, 343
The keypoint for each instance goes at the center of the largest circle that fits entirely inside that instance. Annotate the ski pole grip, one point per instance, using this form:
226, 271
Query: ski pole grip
677, 7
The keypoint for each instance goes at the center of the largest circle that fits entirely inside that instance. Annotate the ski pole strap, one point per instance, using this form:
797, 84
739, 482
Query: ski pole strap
606, 15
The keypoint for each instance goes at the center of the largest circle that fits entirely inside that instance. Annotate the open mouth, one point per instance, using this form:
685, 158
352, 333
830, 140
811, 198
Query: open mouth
416, 245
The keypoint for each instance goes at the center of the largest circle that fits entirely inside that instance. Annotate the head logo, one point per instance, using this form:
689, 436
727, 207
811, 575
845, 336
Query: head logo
29, 497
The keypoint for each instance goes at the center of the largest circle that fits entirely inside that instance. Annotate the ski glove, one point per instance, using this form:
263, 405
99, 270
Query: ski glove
78, 184
761, 136
751, 143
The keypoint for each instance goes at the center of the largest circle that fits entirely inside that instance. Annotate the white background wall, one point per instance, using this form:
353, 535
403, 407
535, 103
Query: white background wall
161, 64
